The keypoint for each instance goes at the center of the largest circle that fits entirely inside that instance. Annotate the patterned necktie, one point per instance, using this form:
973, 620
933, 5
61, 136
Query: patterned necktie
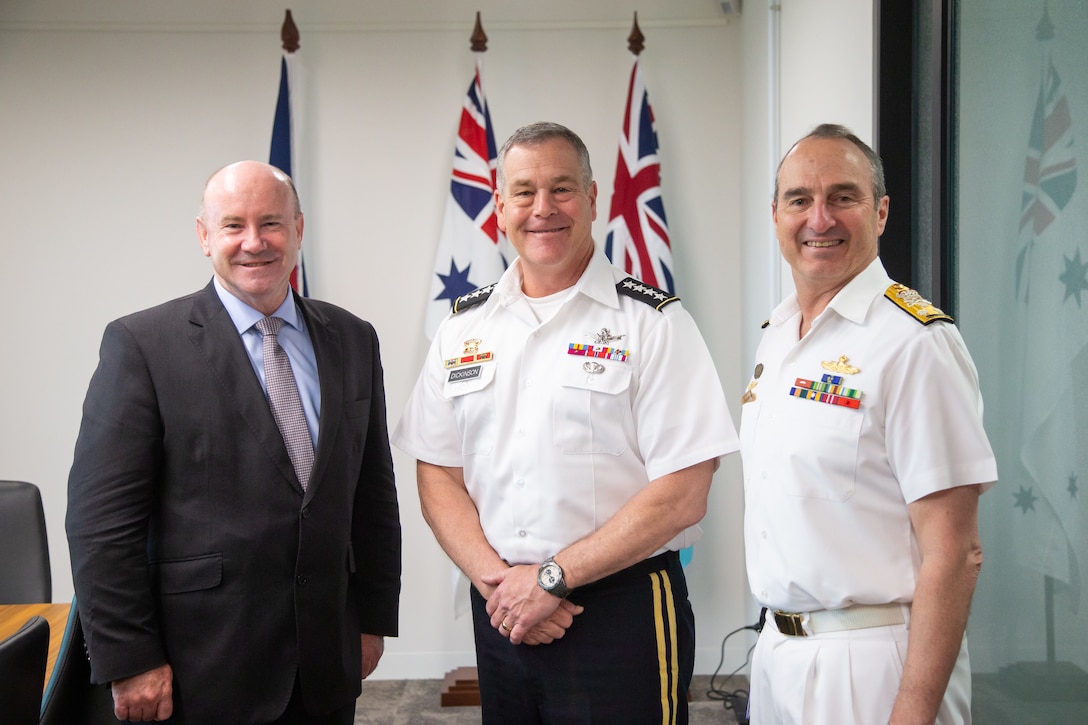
284, 400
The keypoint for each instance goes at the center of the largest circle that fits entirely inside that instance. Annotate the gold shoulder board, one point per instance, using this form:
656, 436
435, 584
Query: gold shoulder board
914, 304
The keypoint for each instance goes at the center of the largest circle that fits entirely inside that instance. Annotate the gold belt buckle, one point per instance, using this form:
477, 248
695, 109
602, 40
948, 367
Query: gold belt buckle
790, 623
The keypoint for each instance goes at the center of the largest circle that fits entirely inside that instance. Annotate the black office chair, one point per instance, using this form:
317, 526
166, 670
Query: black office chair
24, 568
70, 698
22, 672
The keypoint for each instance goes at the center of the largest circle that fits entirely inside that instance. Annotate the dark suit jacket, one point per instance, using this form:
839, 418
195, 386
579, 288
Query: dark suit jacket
191, 540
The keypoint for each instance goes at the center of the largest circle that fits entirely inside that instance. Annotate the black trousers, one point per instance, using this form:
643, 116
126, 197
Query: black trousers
627, 658
295, 713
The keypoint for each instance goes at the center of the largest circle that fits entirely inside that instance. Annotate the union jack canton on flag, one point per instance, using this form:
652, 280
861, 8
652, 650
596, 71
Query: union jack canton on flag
638, 235
472, 252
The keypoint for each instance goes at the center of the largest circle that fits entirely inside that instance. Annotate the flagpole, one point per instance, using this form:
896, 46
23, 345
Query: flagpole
283, 150
461, 686
472, 251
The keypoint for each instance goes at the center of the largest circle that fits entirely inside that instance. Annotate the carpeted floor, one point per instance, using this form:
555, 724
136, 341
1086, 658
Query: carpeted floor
418, 702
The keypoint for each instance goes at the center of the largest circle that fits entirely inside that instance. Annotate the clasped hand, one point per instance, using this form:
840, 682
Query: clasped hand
525, 613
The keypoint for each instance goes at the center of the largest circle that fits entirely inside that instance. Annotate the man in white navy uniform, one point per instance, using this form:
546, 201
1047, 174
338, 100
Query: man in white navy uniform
567, 423
864, 457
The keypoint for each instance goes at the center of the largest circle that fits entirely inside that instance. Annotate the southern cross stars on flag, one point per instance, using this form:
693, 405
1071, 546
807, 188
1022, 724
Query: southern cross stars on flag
472, 252
638, 236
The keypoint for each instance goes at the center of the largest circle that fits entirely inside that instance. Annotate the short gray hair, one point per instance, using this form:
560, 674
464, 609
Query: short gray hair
538, 133
833, 131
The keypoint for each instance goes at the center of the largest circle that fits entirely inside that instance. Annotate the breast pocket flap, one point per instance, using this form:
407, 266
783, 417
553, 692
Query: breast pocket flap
176, 576
608, 379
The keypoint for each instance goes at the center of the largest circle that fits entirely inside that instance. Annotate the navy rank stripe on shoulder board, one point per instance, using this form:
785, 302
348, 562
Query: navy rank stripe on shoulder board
915, 305
652, 296
473, 298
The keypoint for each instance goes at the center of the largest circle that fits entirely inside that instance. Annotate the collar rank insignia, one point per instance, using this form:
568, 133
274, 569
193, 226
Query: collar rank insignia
473, 298
471, 355
652, 296
915, 305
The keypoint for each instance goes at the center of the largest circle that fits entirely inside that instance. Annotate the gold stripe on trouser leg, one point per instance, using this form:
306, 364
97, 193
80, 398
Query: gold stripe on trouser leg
667, 659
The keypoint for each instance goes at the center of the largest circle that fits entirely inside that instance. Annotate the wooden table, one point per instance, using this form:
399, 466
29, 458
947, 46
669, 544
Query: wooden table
14, 616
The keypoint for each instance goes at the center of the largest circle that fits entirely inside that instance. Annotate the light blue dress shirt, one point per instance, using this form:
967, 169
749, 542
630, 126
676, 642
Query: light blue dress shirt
293, 338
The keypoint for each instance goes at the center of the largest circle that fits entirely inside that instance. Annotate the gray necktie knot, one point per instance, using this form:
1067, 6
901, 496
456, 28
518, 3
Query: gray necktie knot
284, 400
270, 325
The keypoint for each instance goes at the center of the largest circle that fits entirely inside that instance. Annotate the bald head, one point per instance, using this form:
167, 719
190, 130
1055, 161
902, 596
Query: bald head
232, 177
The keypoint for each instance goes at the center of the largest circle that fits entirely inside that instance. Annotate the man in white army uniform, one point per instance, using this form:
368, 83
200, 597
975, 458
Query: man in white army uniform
567, 423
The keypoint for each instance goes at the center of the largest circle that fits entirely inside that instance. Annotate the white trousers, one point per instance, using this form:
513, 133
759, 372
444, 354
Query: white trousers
841, 678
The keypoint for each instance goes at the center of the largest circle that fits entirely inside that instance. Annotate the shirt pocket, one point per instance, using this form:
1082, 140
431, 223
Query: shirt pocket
821, 448
471, 392
592, 411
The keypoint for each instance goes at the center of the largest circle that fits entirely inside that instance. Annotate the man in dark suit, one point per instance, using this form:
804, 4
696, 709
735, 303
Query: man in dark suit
217, 581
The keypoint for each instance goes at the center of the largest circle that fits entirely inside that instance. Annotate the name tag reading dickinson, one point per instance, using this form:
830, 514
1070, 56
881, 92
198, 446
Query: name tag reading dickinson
828, 390
462, 374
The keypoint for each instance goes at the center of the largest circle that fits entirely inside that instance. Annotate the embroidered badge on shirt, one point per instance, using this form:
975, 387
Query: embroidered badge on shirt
470, 355
828, 390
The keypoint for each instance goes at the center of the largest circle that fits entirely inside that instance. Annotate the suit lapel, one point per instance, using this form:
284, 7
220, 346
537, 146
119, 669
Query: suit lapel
330, 374
214, 335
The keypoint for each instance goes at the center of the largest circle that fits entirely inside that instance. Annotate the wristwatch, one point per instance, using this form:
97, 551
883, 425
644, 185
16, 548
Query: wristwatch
550, 578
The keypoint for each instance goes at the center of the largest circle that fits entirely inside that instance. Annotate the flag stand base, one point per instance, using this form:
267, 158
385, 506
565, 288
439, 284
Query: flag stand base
1045, 681
461, 687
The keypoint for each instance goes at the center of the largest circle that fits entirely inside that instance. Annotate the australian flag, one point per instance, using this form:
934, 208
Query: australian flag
1050, 167
282, 152
638, 235
472, 252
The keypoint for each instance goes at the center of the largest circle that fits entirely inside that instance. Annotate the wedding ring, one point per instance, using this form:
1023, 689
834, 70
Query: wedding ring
503, 625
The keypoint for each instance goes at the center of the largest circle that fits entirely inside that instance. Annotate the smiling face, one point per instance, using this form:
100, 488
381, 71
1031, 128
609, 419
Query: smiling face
826, 216
251, 228
546, 209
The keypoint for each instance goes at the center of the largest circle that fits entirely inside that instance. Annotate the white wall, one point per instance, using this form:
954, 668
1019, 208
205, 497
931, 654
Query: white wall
113, 114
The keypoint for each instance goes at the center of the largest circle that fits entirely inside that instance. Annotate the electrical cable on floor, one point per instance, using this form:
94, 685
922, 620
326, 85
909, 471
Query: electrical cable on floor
736, 700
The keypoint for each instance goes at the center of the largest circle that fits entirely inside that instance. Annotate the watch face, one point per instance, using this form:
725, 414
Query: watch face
549, 575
